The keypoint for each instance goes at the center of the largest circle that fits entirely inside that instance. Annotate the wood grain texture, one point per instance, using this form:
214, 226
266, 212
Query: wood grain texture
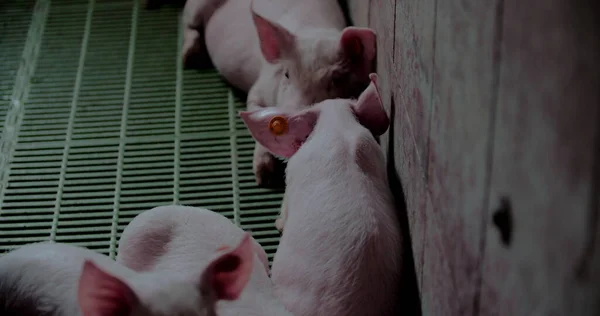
412, 81
382, 21
546, 164
413, 68
458, 154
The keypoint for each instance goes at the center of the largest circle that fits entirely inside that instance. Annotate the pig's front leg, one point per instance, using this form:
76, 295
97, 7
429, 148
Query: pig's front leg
192, 45
280, 221
265, 166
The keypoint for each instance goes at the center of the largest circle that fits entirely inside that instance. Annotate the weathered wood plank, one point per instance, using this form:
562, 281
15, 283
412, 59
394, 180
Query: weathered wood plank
402, 154
382, 21
411, 85
413, 71
458, 154
546, 136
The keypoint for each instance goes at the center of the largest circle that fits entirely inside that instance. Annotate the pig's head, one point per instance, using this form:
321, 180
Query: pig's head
282, 132
153, 294
317, 64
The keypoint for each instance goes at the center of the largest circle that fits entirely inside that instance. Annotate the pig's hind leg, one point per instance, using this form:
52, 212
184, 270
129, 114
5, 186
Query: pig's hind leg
195, 16
280, 221
267, 169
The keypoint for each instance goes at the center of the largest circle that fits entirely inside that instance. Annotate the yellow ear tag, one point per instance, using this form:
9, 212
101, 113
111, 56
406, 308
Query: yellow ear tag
278, 125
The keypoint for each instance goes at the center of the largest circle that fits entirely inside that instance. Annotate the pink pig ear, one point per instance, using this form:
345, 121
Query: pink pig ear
369, 109
274, 39
102, 294
227, 275
359, 45
296, 129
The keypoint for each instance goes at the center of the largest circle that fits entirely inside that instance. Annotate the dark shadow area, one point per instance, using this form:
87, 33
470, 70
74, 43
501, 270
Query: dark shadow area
409, 290
278, 179
585, 17
346, 10
157, 4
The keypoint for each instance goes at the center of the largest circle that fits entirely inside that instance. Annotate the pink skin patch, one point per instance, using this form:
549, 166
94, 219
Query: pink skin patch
102, 294
227, 275
360, 47
369, 110
274, 39
359, 42
299, 126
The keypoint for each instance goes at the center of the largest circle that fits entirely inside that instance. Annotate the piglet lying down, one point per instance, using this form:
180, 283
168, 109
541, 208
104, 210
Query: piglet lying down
340, 249
52, 279
176, 240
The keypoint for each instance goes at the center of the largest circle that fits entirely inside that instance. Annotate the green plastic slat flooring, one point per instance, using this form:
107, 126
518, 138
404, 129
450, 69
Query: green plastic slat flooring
100, 122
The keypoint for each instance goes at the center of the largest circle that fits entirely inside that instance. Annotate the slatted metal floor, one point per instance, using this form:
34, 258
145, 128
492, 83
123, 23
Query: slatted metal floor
100, 122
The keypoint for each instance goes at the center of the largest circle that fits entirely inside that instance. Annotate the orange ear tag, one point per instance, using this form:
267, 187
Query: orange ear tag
278, 125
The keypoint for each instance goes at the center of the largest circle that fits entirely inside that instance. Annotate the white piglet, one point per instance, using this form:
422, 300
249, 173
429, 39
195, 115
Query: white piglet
53, 279
175, 240
283, 53
341, 247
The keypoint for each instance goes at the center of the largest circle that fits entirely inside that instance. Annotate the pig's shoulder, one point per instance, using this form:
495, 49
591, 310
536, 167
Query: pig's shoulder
366, 153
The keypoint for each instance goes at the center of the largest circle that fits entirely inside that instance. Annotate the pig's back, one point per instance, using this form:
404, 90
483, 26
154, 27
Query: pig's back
232, 44
340, 247
299, 15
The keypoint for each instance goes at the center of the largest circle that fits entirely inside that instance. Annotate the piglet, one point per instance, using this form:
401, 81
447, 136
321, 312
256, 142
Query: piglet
340, 249
175, 240
53, 279
283, 53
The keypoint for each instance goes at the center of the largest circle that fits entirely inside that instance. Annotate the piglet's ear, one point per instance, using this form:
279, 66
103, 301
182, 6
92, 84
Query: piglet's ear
280, 133
102, 294
369, 110
227, 275
359, 46
274, 39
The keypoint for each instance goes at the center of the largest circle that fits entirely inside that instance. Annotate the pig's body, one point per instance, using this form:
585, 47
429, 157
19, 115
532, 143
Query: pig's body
50, 279
340, 249
283, 53
178, 239
231, 38
339, 253
41, 279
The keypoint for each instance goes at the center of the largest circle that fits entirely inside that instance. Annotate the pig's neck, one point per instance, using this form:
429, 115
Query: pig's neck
313, 13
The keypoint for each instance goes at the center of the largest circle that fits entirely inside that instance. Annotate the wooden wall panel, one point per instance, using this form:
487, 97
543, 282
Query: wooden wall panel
545, 141
495, 101
458, 155
382, 21
411, 84
413, 67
